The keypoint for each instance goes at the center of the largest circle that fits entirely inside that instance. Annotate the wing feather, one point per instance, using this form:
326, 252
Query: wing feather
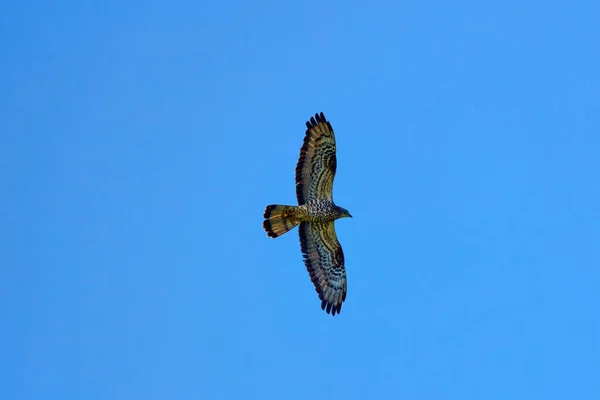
317, 162
324, 261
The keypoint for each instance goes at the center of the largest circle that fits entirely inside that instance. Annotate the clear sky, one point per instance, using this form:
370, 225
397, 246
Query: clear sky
140, 142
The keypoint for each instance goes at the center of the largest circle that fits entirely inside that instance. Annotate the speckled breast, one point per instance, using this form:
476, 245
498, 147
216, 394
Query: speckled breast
321, 210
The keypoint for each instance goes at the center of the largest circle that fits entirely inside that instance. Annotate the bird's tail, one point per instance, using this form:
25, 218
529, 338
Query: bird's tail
279, 219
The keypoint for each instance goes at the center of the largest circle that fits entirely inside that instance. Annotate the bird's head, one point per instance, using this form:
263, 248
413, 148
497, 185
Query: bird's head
344, 213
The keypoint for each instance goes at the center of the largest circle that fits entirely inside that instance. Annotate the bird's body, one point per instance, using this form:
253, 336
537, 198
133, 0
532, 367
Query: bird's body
320, 211
315, 214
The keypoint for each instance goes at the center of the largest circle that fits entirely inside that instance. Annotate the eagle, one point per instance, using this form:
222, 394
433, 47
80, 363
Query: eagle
315, 214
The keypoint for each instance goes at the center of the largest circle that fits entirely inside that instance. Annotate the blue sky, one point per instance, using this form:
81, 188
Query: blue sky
141, 141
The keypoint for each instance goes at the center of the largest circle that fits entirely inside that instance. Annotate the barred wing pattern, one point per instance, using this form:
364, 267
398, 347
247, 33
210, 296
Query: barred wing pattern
317, 163
324, 261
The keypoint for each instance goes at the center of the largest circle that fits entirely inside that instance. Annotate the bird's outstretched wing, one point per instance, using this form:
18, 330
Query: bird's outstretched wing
317, 162
324, 261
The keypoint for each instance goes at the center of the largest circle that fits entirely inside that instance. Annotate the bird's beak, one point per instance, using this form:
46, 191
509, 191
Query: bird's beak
350, 215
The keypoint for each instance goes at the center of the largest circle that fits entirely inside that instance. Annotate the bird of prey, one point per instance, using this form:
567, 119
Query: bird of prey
315, 214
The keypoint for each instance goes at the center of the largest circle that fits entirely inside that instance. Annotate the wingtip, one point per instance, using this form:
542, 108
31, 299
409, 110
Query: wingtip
319, 117
331, 308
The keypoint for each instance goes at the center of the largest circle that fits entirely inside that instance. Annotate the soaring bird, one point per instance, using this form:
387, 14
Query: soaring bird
315, 214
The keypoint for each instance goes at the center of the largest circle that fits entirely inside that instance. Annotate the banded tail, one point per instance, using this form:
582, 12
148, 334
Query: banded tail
279, 219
